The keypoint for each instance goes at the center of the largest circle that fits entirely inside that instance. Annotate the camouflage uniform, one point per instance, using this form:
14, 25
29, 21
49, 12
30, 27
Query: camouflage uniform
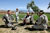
8, 19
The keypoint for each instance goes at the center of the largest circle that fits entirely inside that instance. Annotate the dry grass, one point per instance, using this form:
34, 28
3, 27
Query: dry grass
20, 29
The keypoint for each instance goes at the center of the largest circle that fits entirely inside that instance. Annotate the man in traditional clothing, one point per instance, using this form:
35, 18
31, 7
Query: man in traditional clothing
28, 19
8, 18
41, 22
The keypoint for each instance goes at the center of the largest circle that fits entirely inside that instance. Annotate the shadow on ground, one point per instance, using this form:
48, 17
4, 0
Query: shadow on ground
22, 24
32, 29
3, 26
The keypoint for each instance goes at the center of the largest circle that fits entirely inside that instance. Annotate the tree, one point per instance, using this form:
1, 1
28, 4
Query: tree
35, 9
48, 6
33, 6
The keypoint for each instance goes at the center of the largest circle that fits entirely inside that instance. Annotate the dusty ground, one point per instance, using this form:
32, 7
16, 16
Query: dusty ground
20, 29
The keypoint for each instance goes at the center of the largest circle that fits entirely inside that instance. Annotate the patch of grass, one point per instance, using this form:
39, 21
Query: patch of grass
35, 16
1, 15
48, 15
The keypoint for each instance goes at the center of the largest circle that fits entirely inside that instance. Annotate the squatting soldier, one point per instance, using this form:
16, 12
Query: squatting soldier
8, 18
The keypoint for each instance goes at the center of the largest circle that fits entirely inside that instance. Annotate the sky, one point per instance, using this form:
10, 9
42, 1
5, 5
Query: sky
22, 4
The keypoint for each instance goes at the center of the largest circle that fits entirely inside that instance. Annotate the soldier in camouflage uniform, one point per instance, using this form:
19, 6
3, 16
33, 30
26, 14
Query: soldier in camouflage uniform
8, 18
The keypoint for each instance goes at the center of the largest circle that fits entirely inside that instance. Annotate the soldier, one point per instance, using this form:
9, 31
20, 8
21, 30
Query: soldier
41, 22
8, 18
17, 12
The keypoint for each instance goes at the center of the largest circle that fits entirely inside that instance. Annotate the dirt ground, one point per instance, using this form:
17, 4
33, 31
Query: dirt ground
20, 29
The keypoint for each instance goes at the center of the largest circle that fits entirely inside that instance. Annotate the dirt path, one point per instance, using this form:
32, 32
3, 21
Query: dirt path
20, 29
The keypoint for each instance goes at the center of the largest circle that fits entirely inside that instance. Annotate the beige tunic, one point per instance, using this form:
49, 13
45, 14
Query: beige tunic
41, 22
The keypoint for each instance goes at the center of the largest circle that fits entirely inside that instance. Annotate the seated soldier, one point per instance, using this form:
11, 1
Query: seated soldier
28, 19
8, 18
41, 22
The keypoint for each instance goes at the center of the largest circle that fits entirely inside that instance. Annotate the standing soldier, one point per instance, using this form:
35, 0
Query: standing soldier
41, 22
17, 13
